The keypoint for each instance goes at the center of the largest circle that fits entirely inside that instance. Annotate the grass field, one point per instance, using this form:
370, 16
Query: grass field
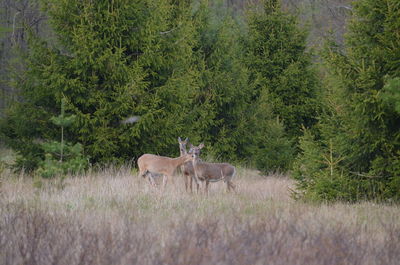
112, 217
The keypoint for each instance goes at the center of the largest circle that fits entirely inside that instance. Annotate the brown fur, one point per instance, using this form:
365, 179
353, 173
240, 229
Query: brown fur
212, 172
161, 165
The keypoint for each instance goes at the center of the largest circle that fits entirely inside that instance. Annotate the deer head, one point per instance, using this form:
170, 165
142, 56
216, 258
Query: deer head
182, 145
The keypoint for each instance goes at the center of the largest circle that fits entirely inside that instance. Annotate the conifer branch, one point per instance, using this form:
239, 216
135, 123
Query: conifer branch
168, 31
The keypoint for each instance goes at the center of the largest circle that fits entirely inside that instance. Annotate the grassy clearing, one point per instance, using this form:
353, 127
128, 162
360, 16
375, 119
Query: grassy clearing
112, 217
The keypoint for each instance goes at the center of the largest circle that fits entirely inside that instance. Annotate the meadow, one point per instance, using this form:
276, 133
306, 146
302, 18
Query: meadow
112, 217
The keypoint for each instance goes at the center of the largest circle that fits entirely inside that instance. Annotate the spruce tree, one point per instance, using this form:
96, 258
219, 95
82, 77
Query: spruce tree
222, 97
282, 85
361, 120
280, 66
62, 157
111, 60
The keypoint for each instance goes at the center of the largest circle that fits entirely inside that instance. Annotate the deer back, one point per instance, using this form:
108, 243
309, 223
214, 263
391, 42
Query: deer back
157, 164
214, 171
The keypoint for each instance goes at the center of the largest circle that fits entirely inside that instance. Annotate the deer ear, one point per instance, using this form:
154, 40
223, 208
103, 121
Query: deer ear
201, 146
179, 139
186, 140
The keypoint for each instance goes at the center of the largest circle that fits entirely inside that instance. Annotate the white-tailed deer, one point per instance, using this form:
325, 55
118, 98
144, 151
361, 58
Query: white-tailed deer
187, 168
211, 172
152, 164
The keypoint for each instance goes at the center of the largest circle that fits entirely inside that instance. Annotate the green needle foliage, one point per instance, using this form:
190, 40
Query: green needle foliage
111, 60
391, 94
361, 121
281, 66
283, 85
223, 95
62, 157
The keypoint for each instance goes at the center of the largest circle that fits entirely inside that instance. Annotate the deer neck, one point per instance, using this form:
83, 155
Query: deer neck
179, 160
196, 162
183, 152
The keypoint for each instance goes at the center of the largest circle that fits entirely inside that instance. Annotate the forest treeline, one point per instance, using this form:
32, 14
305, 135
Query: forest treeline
246, 83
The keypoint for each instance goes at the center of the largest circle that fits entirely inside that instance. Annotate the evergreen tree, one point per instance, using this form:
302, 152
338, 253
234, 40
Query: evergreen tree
267, 145
62, 157
283, 86
361, 120
280, 66
271, 150
112, 60
222, 98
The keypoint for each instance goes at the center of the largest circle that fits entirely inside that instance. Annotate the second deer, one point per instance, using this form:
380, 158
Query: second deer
211, 172
187, 168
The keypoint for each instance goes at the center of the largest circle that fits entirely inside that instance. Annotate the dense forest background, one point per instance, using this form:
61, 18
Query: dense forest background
321, 17
311, 87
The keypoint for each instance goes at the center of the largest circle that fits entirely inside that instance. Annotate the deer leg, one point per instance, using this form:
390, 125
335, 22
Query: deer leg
193, 178
207, 183
190, 183
231, 185
141, 174
185, 178
197, 184
151, 179
197, 181
165, 180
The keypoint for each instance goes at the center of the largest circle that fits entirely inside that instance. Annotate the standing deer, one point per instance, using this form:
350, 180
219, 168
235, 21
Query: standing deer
187, 168
152, 164
211, 172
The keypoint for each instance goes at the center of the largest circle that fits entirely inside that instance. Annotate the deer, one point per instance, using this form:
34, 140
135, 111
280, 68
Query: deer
187, 168
211, 172
149, 165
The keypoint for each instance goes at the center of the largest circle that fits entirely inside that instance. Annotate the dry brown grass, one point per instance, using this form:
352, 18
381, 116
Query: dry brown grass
111, 217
